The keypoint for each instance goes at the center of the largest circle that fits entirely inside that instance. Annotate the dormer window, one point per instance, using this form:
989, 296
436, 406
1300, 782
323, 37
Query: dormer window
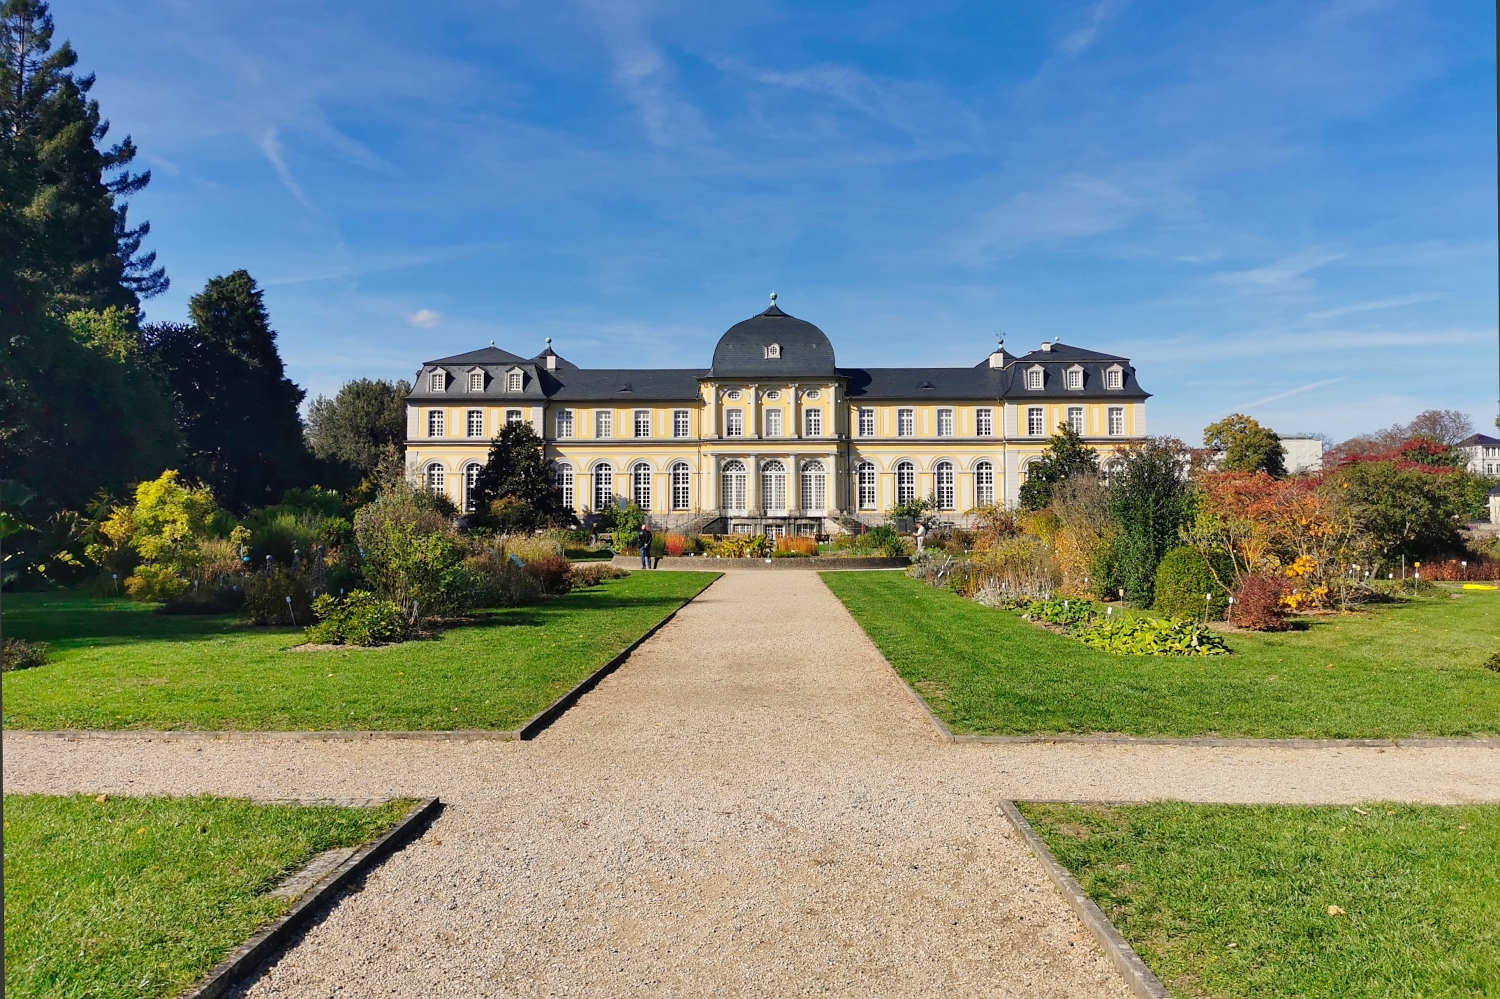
1074, 378
1114, 377
1034, 378
773, 351
476, 381
513, 381
437, 381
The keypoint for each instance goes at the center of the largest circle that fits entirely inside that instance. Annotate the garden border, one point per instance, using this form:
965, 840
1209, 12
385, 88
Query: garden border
248, 956
709, 564
1142, 981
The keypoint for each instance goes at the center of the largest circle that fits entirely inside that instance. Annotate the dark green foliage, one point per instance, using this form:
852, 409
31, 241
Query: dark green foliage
354, 427
1412, 511
224, 597
1062, 610
1066, 456
1182, 580
278, 597
413, 554
1246, 446
517, 489
1151, 499
237, 409
361, 618
21, 654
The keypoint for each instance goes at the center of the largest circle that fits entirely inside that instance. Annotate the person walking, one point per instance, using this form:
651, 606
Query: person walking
921, 535
644, 540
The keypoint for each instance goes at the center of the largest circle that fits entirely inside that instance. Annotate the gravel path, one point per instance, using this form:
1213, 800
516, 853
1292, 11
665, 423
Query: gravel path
751, 806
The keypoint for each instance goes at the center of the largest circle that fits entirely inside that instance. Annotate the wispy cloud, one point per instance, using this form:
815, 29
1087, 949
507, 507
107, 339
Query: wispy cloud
1383, 303
1286, 273
425, 318
645, 76
1311, 386
270, 144
1082, 37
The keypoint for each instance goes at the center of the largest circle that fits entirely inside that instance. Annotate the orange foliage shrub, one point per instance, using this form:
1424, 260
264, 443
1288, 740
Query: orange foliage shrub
799, 543
676, 544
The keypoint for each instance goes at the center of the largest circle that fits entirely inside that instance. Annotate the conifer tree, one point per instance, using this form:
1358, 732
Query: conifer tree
516, 489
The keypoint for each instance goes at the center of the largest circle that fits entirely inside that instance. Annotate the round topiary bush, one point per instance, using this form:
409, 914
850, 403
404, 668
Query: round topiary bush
1182, 580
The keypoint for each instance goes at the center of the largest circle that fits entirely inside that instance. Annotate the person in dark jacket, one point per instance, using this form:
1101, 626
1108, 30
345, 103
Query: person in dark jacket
644, 540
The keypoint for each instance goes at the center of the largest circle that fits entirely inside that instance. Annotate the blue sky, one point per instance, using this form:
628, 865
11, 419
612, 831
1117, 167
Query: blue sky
1287, 209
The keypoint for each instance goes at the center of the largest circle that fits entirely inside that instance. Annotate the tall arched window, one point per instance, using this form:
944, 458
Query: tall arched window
906, 482
604, 486
732, 493
562, 473
471, 476
984, 484
640, 485
864, 485
773, 486
437, 479
682, 480
814, 486
947, 493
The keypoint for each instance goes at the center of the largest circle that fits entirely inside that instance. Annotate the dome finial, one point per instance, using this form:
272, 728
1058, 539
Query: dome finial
773, 298
549, 343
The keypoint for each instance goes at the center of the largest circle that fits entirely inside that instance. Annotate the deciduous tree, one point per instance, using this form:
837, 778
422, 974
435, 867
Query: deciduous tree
1066, 456
1246, 446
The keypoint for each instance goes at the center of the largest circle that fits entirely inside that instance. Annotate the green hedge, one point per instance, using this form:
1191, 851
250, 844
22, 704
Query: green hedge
1182, 579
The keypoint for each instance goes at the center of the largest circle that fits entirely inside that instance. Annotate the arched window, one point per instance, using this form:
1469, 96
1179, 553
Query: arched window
947, 494
906, 482
682, 478
773, 486
732, 494
562, 473
604, 487
984, 484
1026, 468
471, 476
1110, 468
864, 485
437, 479
814, 486
640, 485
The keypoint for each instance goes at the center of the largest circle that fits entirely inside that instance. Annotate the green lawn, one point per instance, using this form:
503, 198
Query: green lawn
142, 896
1399, 670
116, 664
1229, 901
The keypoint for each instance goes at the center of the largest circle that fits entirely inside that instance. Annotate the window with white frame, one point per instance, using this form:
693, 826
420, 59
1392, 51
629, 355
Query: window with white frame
640, 485
1075, 378
562, 475
773, 486
471, 478
474, 424
864, 485
476, 381
945, 485
906, 482
984, 422
513, 381
732, 486
773, 394
814, 486
984, 483
812, 394
564, 423
682, 482
773, 422
773, 351
1075, 419
437, 423
642, 423
1116, 421
437, 381
734, 423
906, 422
513, 416
1034, 379
945, 423
604, 487
682, 424
604, 423
437, 479
1035, 426
1113, 378
866, 422
813, 418
733, 395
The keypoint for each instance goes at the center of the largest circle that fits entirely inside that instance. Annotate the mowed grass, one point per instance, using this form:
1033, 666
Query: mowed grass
143, 896
1229, 901
118, 665
1398, 670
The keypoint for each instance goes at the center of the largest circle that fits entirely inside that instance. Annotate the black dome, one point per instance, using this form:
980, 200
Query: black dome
804, 349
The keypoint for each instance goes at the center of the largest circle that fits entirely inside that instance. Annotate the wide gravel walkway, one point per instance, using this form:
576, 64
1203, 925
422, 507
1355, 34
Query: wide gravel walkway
752, 805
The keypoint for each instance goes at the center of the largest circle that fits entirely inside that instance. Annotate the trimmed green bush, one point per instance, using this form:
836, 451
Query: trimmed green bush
1129, 635
361, 618
1182, 579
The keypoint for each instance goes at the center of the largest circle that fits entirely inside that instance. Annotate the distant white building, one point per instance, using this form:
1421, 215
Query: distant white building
1484, 459
1495, 505
1303, 454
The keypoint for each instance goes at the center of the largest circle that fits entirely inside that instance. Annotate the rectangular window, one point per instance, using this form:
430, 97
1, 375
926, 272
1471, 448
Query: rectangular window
1116, 421
906, 422
513, 382
681, 423
476, 381
734, 423
773, 423
475, 425
604, 423
1034, 379
438, 382
643, 423
1034, 425
945, 423
512, 416
682, 478
984, 484
1075, 378
1112, 378
867, 422
984, 422
864, 480
565, 423
814, 419
1075, 419
436, 423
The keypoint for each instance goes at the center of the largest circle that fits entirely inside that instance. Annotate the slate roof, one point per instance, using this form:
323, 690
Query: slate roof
805, 349
625, 385
1478, 440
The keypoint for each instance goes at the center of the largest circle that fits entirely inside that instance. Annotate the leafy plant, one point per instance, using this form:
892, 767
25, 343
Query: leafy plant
496, 580
594, 573
1258, 603
361, 618
21, 654
278, 597
1062, 610
1133, 635
1150, 499
1183, 579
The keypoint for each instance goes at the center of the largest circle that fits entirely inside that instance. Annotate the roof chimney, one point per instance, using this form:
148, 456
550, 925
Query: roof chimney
997, 359
1047, 346
551, 357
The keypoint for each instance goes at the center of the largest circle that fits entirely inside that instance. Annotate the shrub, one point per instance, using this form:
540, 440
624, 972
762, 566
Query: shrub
155, 582
361, 618
594, 573
1258, 603
1131, 635
744, 546
1060, 610
213, 598
496, 581
529, 547
278, 597
1455, 570
796, 545
21, 654
675, 545
1182, 579
1493, 662
551, 573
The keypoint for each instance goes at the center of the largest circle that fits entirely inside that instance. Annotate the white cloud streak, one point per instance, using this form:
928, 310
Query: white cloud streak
1383, 303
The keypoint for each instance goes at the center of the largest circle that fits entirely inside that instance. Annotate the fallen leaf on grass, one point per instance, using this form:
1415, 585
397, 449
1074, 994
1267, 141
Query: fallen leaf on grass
1360, 811
102, 798
1334, 910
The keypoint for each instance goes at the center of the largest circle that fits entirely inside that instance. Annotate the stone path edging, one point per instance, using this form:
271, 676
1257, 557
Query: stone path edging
1142, 981
245, 958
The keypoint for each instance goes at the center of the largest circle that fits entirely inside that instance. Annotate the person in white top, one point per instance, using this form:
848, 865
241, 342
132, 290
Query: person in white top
921, 534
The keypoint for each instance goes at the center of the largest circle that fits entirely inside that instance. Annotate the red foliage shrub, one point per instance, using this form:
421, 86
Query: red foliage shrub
551, 573
1454, 570
676, 545
1257, 603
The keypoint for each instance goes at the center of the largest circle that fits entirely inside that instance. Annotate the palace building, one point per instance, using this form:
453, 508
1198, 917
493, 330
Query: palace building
774, 437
